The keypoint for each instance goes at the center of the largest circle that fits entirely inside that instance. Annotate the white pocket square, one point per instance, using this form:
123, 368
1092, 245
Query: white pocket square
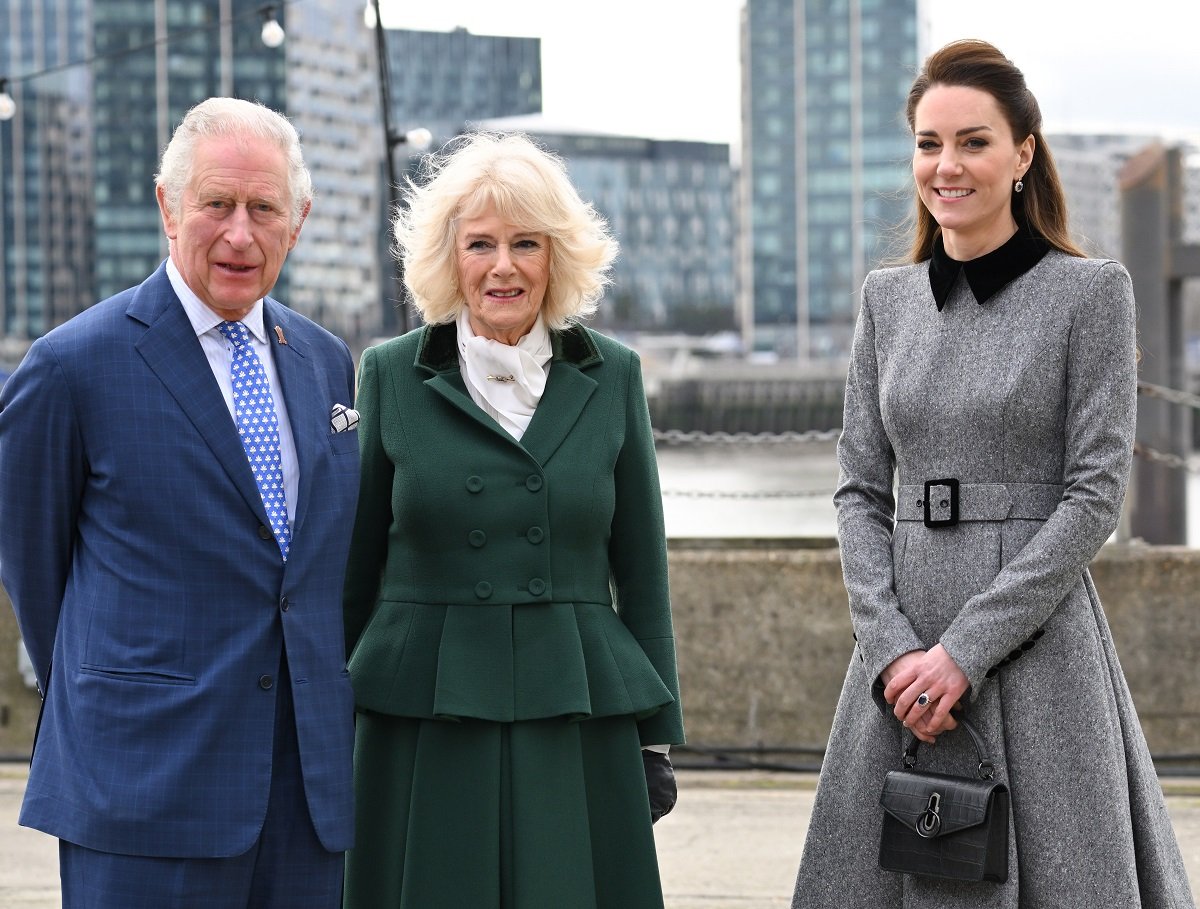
342, 418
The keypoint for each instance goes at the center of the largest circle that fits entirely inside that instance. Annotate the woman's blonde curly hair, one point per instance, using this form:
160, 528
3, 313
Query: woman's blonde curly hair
525, 185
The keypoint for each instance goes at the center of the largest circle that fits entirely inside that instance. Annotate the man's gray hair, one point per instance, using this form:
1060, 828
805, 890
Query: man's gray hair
225, 118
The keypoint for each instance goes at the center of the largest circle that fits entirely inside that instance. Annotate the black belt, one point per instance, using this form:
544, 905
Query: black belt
943, 503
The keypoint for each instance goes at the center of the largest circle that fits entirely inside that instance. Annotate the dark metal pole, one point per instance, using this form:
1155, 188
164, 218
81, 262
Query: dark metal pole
395, 318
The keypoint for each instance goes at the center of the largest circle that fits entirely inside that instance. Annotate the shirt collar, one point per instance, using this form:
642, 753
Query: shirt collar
202, 317
989, 273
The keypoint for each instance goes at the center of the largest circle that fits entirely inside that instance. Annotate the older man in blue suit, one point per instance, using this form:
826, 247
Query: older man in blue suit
178, 477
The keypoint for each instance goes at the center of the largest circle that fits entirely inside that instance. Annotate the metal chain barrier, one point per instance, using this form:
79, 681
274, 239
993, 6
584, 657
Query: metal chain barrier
765, 494
1185, 398
680, 437
1171, 396
1191, 465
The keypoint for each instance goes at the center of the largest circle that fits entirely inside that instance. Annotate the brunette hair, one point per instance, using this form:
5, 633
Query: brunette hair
1041, 207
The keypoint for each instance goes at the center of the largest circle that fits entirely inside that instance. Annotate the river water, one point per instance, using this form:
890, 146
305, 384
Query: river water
730, 490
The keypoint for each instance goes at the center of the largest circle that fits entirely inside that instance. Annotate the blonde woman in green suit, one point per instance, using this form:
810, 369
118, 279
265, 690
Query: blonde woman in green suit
507, 609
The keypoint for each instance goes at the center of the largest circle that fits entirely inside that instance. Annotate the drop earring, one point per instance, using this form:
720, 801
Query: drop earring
1018, 186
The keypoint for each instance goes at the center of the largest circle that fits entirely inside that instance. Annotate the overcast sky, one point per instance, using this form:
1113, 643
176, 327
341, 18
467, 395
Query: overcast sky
670, 69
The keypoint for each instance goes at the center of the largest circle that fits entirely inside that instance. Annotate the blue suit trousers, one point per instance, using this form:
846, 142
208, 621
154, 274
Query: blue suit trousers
286, 868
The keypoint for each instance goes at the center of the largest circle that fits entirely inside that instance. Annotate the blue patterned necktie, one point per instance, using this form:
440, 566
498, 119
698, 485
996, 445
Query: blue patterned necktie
258, 426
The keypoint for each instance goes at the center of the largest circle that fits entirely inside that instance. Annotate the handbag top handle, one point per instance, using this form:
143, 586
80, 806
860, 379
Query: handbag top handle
986, 769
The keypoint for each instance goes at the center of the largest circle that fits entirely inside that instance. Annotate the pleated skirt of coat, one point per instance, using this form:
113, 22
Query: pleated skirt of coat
527, 815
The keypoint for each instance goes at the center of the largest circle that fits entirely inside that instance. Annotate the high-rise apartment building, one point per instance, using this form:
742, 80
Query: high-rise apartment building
824, 163
332, 95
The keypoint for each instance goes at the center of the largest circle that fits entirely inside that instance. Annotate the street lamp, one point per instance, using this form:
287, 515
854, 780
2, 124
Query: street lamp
8, 107
273, 34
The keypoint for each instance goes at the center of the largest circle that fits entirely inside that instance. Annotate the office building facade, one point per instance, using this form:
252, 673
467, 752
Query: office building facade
77, 205
441, 80
45, 170
825, 163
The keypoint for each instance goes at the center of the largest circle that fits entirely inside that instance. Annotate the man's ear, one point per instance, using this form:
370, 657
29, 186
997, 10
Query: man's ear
299, 225
170, 226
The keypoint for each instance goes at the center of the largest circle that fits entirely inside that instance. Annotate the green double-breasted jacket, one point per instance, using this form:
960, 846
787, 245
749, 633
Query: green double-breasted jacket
505, 580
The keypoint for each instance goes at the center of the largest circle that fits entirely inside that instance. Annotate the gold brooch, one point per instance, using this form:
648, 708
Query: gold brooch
502, 378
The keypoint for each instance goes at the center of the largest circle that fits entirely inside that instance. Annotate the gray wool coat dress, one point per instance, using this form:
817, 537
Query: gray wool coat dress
1029, 401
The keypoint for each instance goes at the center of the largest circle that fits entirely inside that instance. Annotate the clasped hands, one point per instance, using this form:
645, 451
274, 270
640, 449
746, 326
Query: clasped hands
934, 673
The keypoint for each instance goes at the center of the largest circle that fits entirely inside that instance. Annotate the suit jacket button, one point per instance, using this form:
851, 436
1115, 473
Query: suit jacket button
264, 532
533, 482
535, 535
284, 605
537, 586
477, 538
265, 682
474, 484
483, 590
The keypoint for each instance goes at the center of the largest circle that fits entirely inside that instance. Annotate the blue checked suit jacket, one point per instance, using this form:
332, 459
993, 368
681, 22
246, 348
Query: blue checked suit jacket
152, 599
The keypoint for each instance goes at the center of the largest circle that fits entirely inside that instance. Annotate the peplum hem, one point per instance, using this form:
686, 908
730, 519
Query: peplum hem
504, 663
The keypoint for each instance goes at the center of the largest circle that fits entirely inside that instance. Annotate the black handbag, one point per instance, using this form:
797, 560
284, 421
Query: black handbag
945, 826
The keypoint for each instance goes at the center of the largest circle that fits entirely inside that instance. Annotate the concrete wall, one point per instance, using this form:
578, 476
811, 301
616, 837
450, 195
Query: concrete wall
764, 639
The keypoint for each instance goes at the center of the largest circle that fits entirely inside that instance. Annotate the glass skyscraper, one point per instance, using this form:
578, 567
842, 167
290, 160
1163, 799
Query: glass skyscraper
45, 170
142, 87
825, 163
78, 216
442, 79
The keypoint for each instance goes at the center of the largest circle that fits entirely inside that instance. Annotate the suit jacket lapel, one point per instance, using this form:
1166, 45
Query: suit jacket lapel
567, 391
567, 387
171, 350
309, 419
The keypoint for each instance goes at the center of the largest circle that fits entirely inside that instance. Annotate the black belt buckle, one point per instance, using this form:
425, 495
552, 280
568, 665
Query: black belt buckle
948, 501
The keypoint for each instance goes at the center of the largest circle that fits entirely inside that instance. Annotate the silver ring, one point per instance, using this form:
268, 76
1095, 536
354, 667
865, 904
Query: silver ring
922, 699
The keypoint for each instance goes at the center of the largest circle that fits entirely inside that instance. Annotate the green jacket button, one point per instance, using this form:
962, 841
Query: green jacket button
474, 484
537, 587
533, 482
535, 535
483, 590
477, 538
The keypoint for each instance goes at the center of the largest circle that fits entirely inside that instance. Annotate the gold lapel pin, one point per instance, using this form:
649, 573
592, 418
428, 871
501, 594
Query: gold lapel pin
502, 378
279, 335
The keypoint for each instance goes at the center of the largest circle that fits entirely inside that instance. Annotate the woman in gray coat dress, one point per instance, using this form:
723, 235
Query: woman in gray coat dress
1004, 361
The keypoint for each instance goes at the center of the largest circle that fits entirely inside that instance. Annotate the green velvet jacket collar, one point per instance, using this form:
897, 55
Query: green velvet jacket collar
438, 350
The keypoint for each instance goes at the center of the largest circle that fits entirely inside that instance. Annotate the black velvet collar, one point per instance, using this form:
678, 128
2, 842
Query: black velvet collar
438, 350
990, 272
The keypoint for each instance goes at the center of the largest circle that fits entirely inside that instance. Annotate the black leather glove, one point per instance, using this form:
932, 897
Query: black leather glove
660, 783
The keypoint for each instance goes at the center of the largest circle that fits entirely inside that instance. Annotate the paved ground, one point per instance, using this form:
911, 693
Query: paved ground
733, 842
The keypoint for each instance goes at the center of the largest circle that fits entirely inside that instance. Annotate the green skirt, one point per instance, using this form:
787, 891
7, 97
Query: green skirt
538, 814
